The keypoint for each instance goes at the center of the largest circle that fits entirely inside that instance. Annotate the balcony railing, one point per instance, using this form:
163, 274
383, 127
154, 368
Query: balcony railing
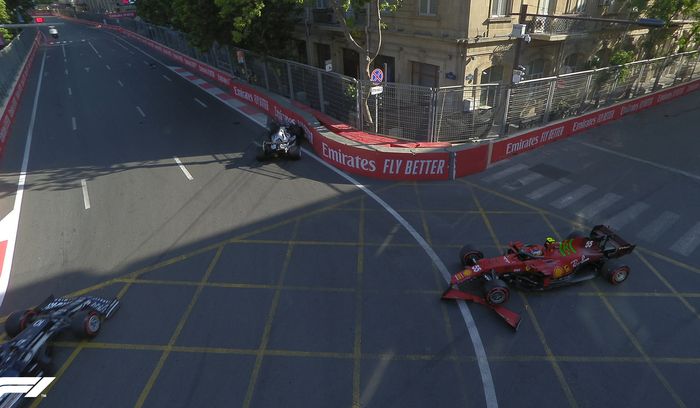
569, 25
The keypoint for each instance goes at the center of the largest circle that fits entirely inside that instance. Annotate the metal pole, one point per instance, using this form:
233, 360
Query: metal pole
267, 81
320, 90
289, 76
548, 105
504, 127
358, 98
518, 44
376, 113
692, 72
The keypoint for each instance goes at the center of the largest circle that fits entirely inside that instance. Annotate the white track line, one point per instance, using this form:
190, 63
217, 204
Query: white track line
183, 168
481, 358
63, 47
200, 102
637, 159
10, 224
138, 108
70, 92
594, 208
75, 124
108, 67
121, 45
479, 350
548, 188
86, 197
167, 78
94, 49
120, 83
66, 71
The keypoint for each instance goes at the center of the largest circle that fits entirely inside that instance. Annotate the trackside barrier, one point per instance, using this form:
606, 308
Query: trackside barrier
507, 148
402, 163
9, 111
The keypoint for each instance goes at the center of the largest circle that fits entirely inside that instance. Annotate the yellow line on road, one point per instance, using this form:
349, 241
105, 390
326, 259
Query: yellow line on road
535, 323
173, 338
268, 322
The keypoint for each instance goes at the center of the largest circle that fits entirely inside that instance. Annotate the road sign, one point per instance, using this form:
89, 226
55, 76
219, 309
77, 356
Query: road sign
376, 90
38, 19
377, 76
329, 65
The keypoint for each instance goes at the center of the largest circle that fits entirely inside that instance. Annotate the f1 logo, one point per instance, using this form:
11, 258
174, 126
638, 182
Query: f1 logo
32, 387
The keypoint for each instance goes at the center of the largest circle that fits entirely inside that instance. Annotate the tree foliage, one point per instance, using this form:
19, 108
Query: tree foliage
657, 41
258, 25
4, 18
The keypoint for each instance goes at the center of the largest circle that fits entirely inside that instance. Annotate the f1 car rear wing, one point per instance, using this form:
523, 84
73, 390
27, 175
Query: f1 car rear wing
612, 245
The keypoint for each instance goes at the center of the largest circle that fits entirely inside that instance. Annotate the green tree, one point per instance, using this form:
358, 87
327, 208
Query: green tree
658, 41
158, 12
4, 19
365, 38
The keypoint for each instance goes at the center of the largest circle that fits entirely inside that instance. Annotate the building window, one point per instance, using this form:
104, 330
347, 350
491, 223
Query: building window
573, 63
500, 8
323, 53
428, 8
487, 94
535, 69
424, 74
581, 6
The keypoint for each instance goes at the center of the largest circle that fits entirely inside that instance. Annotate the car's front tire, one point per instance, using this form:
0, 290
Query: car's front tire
18, 321
469, 256
86, 324
496, 292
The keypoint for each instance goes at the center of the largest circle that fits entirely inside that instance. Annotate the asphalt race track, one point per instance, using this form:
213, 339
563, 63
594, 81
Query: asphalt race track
283, 284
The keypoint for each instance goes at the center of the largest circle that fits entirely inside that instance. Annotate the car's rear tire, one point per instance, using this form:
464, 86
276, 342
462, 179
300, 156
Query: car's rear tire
86, 324
261, 157
295, 153
469, 256
496, 292
18, 321
618, 274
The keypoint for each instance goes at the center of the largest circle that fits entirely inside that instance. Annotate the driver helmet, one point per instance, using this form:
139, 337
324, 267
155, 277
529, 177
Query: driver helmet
536, 252
549, 241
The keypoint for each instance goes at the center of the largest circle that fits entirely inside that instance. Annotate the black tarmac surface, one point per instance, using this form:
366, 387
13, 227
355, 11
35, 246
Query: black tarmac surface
282, 284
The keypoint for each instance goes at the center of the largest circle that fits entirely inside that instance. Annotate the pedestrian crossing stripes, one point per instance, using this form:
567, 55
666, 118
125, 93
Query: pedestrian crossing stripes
626, 216
547, 189
584, 203
523, 181
660, 225
688, 242
572, 197
594, 208
504, 173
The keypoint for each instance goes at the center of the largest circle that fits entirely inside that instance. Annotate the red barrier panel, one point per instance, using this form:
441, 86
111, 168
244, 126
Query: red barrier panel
470, 161
8, 115
355, 160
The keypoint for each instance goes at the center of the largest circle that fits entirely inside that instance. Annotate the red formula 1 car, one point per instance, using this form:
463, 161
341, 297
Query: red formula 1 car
537, 268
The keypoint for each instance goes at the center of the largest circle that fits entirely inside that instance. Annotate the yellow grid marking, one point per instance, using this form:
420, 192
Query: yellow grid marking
377, 356
634, 340
357, 343
641, 351
535, 323
575, 223
668, 285
61, 371
268, 322
173, 338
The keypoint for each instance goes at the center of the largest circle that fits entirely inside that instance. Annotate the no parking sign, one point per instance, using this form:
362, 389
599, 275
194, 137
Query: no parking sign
377, 76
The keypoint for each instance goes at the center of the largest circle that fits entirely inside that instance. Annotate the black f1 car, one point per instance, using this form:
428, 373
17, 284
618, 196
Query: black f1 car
538, 268
282, 141
28, 352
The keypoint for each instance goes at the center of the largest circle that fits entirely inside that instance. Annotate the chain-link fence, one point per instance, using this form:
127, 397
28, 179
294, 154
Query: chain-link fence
539, 101
11, 59
450, 114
